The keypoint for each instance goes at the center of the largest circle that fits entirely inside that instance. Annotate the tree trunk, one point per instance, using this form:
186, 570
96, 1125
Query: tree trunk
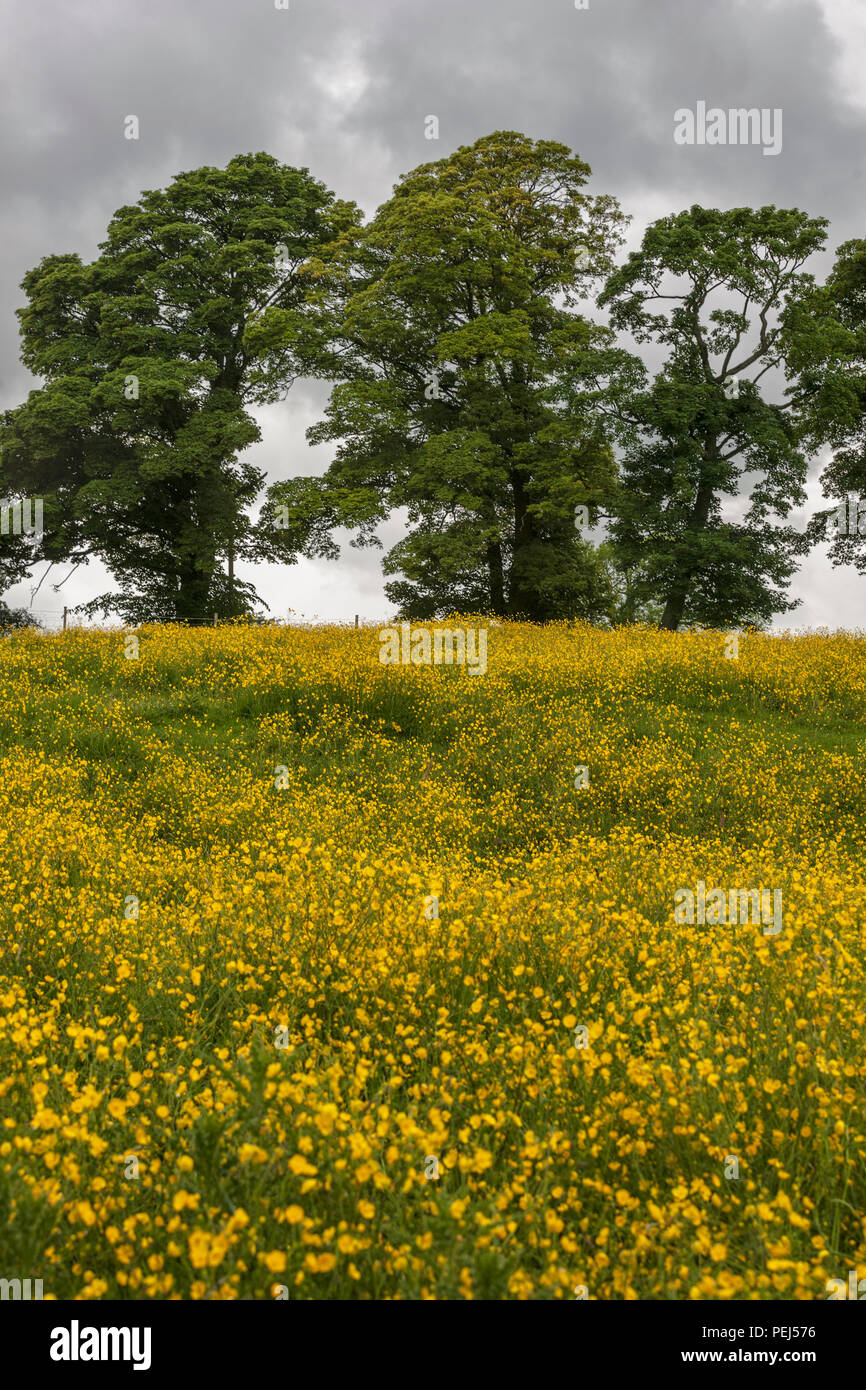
497, 578
193, 599
522, 597
679, 591
676, 602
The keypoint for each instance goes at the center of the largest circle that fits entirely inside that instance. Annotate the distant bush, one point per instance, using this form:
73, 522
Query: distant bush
15, 618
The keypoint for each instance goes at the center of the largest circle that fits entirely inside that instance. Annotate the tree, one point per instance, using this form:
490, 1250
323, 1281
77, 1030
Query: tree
454, 326
694, 434
21, 529
15, 619
830, 334
629, 602
17, 548
136, 435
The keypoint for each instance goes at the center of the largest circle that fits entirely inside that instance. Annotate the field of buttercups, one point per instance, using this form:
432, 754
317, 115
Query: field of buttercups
327, 979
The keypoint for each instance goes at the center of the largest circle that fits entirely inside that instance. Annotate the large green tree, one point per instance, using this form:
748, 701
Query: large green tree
716, 291
830, 334
136, 436
455, 327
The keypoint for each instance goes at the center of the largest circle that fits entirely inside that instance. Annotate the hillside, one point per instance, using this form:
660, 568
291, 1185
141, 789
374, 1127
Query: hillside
286, 932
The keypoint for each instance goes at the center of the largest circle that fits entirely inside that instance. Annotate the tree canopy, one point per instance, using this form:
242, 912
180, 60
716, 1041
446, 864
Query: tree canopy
713, 289
453, 328
135, 439
473, 394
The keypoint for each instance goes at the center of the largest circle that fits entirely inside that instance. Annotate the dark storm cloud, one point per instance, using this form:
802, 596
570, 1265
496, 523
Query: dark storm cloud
344, 88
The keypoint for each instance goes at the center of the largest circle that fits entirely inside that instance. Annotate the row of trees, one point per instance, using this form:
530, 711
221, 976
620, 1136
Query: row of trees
471, 387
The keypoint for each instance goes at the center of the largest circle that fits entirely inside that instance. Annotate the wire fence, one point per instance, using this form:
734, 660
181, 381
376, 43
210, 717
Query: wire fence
67, 619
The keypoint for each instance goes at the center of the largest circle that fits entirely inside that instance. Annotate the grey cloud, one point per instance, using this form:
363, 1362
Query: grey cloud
344, 86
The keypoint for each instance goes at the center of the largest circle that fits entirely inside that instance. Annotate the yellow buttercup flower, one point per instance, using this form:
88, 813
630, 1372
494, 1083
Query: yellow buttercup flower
615, 1062
300, 1165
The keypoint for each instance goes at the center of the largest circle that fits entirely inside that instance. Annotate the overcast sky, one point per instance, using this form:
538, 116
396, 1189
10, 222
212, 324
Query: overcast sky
344, 87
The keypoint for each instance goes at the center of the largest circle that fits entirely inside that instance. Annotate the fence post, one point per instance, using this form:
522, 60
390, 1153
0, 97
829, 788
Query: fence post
65, 611
356, 622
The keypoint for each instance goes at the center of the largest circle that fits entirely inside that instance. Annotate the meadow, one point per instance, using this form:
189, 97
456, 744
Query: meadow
324, 979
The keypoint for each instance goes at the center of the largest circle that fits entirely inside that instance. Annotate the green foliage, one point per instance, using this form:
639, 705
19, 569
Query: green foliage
627, 581
830, 333
730, 283
454, 327
470, 395
136, 435
16, 551
13, 619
